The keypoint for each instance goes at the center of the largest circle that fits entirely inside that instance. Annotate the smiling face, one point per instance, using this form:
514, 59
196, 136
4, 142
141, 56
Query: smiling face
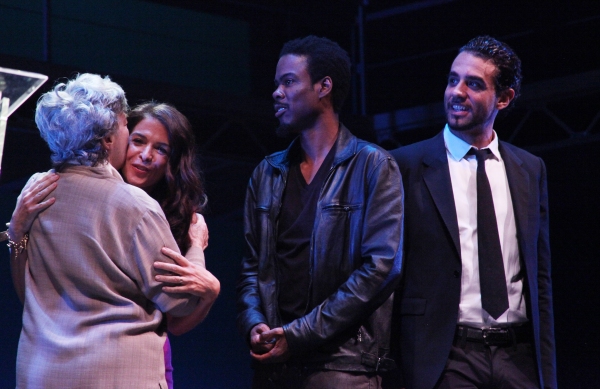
470, 99
147, 155
296, 96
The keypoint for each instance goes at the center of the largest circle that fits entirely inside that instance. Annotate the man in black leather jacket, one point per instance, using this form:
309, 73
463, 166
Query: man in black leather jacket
323, 231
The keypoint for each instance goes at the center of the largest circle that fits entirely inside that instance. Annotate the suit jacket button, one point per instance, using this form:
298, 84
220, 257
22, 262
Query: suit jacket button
456, 274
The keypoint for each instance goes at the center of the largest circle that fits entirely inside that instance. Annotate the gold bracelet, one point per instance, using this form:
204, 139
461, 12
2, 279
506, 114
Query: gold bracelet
18, 246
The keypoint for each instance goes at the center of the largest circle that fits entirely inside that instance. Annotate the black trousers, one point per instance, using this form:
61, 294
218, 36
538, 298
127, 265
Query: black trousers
474, 365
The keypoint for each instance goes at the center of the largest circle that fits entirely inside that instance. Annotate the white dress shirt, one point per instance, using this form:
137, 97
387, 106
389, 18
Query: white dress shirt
463, 175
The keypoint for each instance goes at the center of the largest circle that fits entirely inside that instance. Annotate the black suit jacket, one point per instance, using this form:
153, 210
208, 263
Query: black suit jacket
428, 297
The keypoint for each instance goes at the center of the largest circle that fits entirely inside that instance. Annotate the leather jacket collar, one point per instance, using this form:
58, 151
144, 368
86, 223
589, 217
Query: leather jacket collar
346, 147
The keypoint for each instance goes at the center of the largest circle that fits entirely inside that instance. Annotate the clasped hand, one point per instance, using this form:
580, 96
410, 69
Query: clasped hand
268, 345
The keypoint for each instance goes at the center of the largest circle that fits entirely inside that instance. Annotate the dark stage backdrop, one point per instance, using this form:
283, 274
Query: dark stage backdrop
184, 48
574, 190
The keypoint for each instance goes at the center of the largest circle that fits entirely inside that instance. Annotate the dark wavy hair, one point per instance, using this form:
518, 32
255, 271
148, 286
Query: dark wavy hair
505, 60
324, 58
181, 192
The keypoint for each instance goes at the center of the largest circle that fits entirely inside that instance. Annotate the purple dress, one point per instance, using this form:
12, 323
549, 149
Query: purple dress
168, 364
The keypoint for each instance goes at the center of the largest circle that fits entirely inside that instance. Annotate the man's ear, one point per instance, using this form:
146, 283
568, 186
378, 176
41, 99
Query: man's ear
505, 98
325, 86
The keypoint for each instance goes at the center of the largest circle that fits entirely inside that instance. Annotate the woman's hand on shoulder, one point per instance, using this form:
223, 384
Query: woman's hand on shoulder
198, 232
31, 202
186, 277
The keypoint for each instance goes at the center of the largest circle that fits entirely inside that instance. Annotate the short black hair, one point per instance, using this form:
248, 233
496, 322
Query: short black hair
324, 58
503, 57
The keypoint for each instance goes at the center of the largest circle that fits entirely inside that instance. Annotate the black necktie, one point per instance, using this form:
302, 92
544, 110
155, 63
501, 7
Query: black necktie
494, 297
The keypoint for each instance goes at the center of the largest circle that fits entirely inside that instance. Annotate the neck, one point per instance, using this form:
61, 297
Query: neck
478, 138
319, 139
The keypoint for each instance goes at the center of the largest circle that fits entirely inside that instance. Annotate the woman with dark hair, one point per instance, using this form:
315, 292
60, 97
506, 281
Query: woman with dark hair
171, 177
160, 160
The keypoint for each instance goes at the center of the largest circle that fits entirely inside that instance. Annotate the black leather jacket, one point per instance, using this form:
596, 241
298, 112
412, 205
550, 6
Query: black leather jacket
356, 254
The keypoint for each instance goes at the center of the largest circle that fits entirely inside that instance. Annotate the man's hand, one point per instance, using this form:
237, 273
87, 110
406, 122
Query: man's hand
257, 345
278, 350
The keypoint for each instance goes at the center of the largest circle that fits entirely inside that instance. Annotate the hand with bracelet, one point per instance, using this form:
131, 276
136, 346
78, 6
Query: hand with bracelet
32, 200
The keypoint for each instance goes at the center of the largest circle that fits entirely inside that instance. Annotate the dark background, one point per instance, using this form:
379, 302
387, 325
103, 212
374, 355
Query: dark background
215, 61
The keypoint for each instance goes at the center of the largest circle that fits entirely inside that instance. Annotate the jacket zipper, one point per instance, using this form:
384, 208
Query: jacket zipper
312, 240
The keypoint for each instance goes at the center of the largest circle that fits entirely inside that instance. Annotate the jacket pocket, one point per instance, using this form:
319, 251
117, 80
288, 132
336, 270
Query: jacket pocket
341, 208
336, 247
413, 306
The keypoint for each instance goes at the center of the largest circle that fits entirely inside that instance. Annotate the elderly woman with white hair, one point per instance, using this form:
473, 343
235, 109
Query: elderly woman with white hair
93, 310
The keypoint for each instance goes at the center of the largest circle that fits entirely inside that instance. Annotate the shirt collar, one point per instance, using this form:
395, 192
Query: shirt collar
458, 148
112, 171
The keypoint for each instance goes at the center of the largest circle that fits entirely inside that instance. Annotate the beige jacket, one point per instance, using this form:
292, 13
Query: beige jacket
93, 312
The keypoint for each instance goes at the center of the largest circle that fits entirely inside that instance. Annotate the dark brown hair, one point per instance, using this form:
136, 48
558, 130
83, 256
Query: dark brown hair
503, 57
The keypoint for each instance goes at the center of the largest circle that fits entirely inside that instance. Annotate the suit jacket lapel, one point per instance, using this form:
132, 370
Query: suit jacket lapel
518, 183
436, 175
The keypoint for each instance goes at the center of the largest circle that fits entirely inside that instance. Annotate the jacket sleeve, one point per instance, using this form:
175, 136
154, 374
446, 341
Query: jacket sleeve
151, 234
373, 282
547, 345
248, 298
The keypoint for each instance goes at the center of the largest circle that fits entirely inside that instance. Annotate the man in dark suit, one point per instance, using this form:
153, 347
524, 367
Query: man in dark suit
474, 309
